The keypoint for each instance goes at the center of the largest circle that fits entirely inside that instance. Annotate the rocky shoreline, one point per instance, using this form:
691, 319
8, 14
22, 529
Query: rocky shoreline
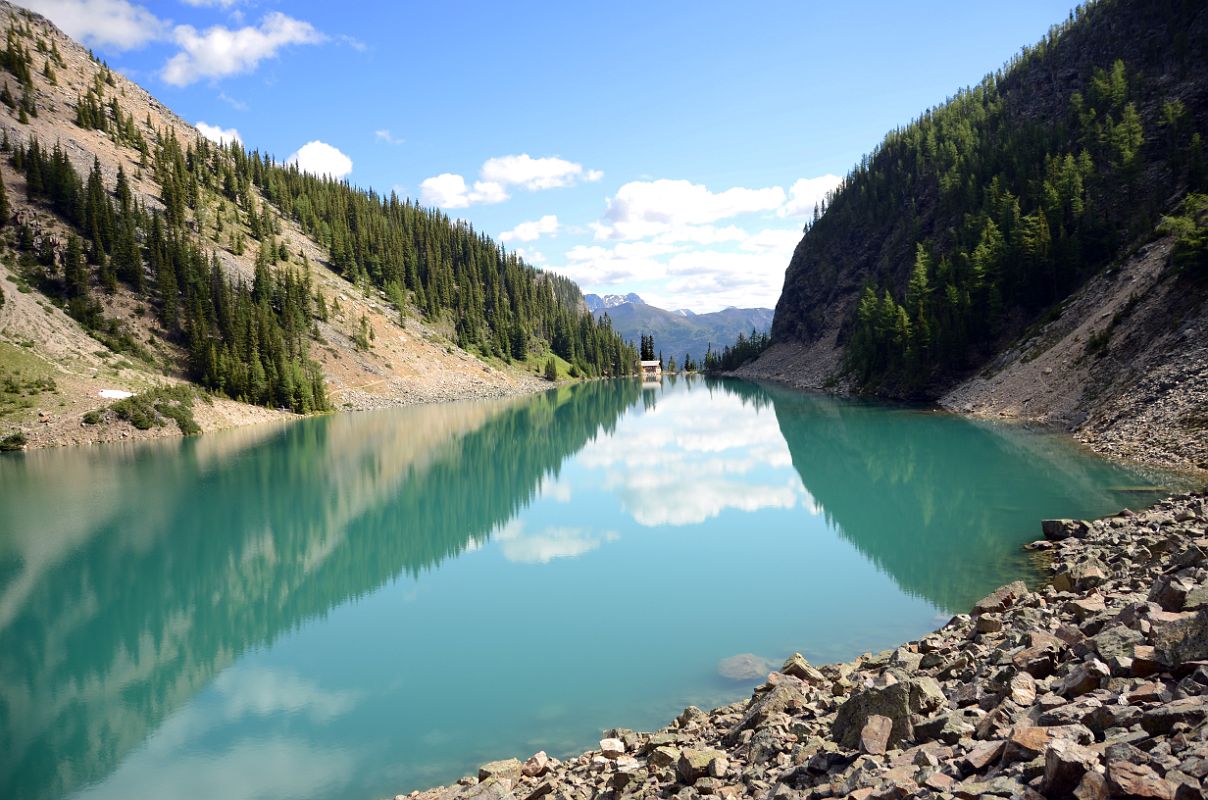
1092, 686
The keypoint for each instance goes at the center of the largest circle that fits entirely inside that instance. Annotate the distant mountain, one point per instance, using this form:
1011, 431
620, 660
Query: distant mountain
595, 302
682, 331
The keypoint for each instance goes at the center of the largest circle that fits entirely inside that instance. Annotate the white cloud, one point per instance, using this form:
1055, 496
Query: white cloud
384, 135
111, 24
805, 193
533, 173
534, 257
320, 158
642, 209
531, 231
216, 133
219, 51
450, 190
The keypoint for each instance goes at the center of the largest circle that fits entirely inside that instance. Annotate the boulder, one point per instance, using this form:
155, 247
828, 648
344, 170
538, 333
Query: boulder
1080, 576
1128, 780
612, 748
1163, 718
1065, 764
536, 765
1056, 530
1026, 743
897, 701
1117, 641
695, 764
1179, 638
1001, 598
507, 771
798, 667
1085, 677
778, 700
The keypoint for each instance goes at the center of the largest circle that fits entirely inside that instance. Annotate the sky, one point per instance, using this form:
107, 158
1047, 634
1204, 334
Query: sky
674, 149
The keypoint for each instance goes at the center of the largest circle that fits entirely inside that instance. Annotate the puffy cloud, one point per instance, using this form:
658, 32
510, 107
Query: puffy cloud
647, 208
320, 158
534, 173
805, 193
531, 231
216, 133
111, 24
384, 135
450, 190
220, 51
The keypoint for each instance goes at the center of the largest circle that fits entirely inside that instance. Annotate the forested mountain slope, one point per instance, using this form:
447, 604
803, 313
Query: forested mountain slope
966, 232
135, 253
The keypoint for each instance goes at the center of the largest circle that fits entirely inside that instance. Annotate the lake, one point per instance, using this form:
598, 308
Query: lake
364, 604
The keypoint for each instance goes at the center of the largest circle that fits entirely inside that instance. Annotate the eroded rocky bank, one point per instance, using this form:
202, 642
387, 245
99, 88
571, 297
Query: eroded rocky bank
1094, 685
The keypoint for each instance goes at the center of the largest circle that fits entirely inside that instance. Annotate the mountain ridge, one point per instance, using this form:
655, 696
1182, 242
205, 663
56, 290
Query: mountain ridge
682, 332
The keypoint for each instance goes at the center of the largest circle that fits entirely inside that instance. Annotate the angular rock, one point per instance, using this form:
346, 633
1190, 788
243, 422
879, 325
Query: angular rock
1160, 720
507, 771
896, 701
1179, 638
1001, 598
874, 736
1128, 780
776, 701
1083, 678
536, 765
1116, 641
1065, 764
1026, 743
982, 754
1081, 576
1056, 530
798, 667
695, 764
612, 748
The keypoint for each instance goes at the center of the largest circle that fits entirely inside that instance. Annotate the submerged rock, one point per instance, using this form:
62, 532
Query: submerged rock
745, 667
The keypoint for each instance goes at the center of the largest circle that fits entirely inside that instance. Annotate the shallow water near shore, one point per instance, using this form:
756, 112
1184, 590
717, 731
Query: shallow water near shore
359, 605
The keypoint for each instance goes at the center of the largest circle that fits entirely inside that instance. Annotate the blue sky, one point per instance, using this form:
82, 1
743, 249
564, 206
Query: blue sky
670, 148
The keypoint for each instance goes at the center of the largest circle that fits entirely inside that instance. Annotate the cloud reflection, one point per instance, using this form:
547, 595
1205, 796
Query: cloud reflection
522, 547
719, 454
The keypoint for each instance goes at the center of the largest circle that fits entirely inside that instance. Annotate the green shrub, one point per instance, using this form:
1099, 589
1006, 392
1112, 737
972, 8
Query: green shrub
12, 442
154, 408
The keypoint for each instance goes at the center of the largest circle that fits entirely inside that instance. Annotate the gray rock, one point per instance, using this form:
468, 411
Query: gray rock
1056, 530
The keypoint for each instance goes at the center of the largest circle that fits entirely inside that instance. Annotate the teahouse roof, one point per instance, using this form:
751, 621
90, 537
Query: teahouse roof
649, 363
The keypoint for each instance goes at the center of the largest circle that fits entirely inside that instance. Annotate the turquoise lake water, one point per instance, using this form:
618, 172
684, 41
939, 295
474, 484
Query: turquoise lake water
364, 604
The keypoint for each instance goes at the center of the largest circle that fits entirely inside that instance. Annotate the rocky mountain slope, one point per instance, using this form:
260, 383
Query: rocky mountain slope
53, 369
681, 332
1026, 249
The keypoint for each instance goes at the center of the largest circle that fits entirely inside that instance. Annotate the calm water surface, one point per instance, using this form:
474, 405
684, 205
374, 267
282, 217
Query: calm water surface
364, 604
